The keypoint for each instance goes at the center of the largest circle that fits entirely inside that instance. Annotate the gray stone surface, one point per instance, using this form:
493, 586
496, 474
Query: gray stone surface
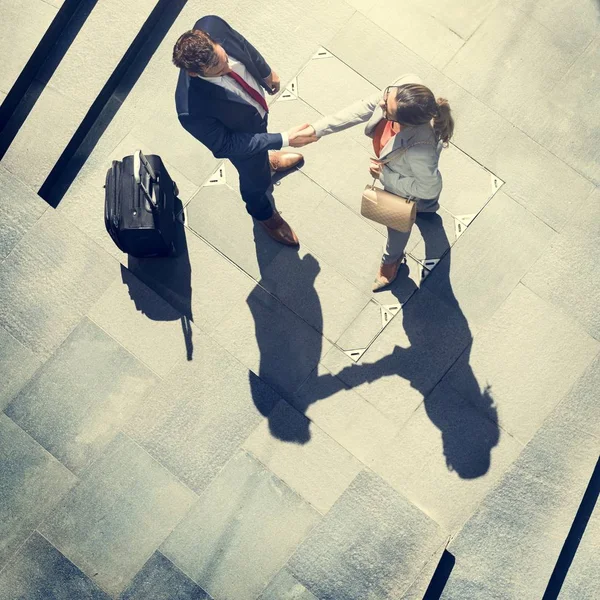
524, 164
418, 30
579, 409
581, 582
316, 466
361, 549
366, 326
508, 549
567, 274
49, 282
200, 283
272, 341
341, 413
80, 397
22, 27
20, 208
509, 58
448, 456
284, 587
573, 136
525, 331
123, 508
142, 322
314, 291
408, 359
432, 236
230, 543
17, 365
420, 585
160, 579
489, 259
242, 241
31, 483
39, 571
197, 417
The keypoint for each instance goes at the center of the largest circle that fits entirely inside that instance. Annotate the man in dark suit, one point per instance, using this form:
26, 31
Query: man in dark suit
220, 100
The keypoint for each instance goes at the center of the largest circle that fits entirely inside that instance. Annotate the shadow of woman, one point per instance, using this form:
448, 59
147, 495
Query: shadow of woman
468, 421
171, 278
288, 351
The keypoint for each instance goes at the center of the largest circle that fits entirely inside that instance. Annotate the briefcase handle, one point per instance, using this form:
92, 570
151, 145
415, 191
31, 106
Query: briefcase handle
144, 176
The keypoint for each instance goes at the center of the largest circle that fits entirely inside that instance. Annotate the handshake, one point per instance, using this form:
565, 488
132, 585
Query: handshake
301, 135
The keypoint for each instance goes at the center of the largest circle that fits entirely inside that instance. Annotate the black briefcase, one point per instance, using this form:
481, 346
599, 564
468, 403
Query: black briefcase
139, 207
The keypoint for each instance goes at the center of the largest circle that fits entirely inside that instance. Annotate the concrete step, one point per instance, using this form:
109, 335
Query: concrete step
67, 95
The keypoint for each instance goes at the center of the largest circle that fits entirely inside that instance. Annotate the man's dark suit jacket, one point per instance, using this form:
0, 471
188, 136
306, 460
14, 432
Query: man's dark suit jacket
221, 120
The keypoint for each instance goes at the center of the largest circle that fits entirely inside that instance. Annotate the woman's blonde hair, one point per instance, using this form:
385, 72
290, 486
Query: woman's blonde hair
417, 105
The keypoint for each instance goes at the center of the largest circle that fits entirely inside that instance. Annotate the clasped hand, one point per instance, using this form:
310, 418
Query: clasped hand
301, 135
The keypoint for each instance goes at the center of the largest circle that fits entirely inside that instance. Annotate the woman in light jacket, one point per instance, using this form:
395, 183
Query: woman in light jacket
406, 116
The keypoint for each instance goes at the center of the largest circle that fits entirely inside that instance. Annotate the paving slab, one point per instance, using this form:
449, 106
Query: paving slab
361, 548
433, 235
271, 341
123, 508
573, 137
316, 467
269, 28
230, 543
523, 164
408, 359
314, 291
509, 58
88, 63
49, 281
20, 208
525, 330
242, 241
17, 365
142, 322
448, 456
418, 30
197, 417
285, 587
420, 585
32, 483
488, 261
581, 582
160, 579
567, 274
577, 22
341, 413
200, 282
344, 240
508, 549
23, 26
76, 402
330, 85
39, 571
579, 409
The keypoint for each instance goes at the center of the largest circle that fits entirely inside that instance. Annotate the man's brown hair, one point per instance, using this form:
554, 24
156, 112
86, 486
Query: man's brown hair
194, 51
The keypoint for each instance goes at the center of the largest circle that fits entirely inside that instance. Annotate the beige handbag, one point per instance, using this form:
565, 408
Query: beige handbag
386, 208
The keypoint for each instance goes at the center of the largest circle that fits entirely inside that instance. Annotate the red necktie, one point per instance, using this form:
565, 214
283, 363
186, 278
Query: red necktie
249, 90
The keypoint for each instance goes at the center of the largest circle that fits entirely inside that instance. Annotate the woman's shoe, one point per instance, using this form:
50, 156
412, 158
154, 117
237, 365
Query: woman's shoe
387, 274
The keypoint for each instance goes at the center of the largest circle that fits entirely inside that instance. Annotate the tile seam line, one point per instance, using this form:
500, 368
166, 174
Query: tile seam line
74, 563
158, 551
561, 311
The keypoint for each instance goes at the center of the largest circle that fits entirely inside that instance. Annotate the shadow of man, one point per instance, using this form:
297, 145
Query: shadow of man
171, 278
467, 421
286, 353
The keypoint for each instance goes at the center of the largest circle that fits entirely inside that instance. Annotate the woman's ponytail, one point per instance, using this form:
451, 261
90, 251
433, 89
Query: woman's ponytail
443, 123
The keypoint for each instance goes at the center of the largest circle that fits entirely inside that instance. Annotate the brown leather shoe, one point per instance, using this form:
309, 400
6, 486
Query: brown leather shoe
387, 274
279, 230
283, 161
